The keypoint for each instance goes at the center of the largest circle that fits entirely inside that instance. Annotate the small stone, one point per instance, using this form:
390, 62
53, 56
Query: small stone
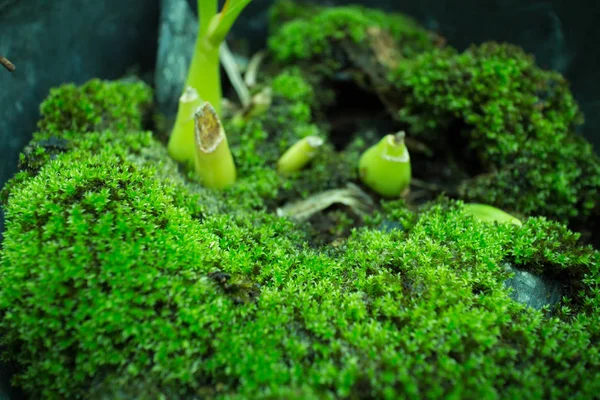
390, 226
533, 290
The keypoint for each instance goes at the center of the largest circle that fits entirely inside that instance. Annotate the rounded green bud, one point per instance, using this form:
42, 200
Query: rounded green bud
299, 154
385, 167
486, 213
181, 143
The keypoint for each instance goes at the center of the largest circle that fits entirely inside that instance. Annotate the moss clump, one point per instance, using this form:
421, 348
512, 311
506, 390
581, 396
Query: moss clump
291, 85
100, 217
139, 148
70, 113
117, 260
511, 122
450, 280
288, 10
109, 251
414, 314
318, 33
95, 106
258, 143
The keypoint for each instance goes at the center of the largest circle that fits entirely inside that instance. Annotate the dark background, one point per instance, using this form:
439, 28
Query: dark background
56, 41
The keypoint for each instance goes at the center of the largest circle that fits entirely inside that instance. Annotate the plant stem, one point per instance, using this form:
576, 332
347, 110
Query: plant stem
300, 154
207, 9
231, 10
204, 73
213, 160
181, 144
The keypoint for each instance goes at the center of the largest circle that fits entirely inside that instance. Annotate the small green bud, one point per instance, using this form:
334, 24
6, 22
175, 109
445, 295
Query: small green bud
181, 143
260, 104
385, 167
300, 154
486, 213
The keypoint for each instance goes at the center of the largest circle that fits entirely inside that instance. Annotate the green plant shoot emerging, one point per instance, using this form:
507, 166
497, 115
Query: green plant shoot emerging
203, 75
214, 162
486, 213
299, 154
385, 167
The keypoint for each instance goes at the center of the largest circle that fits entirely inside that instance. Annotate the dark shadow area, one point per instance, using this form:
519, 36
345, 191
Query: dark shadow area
64, 41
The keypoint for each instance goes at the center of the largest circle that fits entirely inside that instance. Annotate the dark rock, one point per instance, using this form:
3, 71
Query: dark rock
533, 290
177, 35
389, 226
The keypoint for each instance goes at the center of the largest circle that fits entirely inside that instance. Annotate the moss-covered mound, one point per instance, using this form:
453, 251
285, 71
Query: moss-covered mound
338, 46
122, 278
514, 124
106, 282
315, 32
487, 124
96, 105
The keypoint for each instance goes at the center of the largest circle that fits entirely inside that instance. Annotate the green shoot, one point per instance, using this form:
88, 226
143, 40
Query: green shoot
204, 70
385, 167
487, 213
213, 160
299, 154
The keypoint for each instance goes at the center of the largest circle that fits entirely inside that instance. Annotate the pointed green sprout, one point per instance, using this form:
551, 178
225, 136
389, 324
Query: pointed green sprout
189, 102
260, 103
213, 160
299, 154
385, 167
251, 105
204, 70
486, 213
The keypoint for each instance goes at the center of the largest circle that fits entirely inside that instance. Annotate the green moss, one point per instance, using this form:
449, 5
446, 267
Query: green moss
318, 36
99, 216
512, 121
291, 85
139, 148
113, 237
283, 11
394, 315
392, 215
258, 143
103, 115
121, 279
95, 106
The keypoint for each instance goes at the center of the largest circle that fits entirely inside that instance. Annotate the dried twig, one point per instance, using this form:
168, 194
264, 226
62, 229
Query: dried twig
431, 187
253, 66
234, 74
351, 196
7, 64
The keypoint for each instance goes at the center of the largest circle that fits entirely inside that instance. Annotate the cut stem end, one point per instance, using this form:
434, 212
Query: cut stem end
299, 155
213, 160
